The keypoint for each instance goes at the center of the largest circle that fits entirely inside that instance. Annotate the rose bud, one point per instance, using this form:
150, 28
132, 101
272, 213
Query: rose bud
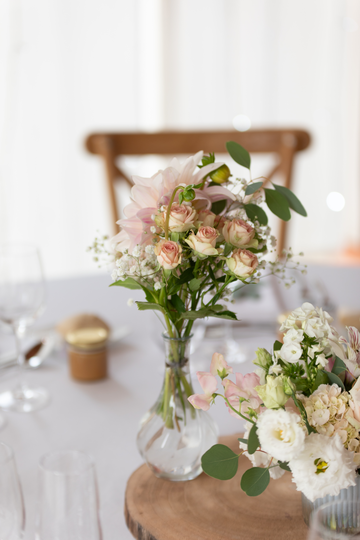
242, 263
204, 241
168, 254
240, 234
206, 218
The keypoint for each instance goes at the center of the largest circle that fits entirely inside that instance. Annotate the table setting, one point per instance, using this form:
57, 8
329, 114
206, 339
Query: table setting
97, 393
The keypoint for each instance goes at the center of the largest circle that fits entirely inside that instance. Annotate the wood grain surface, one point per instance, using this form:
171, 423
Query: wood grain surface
209, 509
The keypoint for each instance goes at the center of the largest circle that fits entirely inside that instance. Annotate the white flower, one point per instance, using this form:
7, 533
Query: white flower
130, 302
324, 467
149, 250
157, 286
136, 251
322, 360
281, 434
114, 275
293, 336
261, 459
290, 352
153, 229
275, 369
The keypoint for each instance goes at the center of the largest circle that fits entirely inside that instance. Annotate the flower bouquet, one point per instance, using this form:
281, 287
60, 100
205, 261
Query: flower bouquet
186, 237
301, 406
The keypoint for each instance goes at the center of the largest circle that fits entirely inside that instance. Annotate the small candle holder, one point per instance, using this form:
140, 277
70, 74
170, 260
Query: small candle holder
87, 353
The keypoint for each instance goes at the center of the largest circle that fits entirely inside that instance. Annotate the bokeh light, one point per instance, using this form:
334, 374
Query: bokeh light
241, 122
335, 201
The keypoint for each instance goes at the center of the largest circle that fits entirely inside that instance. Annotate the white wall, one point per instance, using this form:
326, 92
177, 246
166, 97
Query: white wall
68, 68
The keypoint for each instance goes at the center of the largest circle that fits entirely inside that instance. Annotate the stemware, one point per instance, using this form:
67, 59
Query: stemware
336, 521
12, 514
22, 299
68, 506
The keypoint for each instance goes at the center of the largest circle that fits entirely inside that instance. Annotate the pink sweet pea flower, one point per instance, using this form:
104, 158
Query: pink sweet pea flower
244, 388
209, 384
219, 366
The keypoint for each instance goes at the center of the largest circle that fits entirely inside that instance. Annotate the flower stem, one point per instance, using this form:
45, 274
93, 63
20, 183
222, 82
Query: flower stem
235, 411
168, 211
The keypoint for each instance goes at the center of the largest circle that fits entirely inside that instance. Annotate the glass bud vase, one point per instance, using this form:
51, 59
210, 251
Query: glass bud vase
173, 434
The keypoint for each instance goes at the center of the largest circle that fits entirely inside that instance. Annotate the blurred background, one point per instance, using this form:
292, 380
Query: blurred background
68, 69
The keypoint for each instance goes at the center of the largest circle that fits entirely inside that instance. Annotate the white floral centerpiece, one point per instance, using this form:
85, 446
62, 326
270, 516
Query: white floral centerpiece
301, 406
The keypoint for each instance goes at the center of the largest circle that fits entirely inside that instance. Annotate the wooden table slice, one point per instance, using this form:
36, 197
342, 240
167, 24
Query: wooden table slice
209, 509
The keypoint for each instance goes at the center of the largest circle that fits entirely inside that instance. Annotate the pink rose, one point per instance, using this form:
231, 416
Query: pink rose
168, 254
181, 219
206, 218
242, 263
204, 241
240, 234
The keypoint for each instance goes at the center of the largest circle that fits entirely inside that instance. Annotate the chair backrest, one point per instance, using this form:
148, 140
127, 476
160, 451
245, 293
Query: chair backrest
285, 143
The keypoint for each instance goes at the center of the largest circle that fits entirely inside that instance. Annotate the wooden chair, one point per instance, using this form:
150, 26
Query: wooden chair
285, 143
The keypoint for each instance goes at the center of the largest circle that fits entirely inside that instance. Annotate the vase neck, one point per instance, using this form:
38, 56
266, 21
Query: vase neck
177, 351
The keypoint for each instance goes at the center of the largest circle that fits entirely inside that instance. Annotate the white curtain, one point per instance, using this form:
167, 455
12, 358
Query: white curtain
69, 68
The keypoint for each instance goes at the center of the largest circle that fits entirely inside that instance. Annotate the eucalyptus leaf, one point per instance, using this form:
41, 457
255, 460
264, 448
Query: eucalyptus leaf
242, 440
334, 379
218, 206
253, 187
277, 345
255, 480
284, 465
229, 315
278, 204
220, 462
255, 213
254, 442
195, 284
293, 201
339, 366
239, 154
129, 283
321, 378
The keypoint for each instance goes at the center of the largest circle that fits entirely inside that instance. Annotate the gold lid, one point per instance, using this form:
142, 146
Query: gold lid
87, 338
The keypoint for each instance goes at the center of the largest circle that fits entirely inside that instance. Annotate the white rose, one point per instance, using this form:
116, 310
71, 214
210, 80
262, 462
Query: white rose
324, 467
280, 434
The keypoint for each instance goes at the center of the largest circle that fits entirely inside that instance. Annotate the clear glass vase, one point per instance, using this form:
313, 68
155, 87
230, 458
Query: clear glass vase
173, 435
345, 497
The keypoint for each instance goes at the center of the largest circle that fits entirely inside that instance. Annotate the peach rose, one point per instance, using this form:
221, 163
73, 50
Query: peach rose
181, 219
240, 234
206, 218
242, 263
204, 241
168, 254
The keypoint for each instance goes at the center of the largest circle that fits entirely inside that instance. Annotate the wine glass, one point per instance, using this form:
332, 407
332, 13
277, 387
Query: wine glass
12, 514
337, 520
68, 505
22, 299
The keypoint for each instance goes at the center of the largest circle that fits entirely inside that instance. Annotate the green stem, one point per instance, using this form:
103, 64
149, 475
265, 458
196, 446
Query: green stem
168, 211
235, 411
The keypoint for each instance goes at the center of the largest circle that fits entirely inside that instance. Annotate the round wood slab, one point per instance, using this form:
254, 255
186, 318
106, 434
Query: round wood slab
209, 509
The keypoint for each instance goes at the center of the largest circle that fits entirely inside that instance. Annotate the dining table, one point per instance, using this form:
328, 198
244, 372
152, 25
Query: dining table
102, 418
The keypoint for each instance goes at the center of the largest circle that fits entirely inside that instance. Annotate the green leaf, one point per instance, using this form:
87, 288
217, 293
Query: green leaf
227, 249
278, 204
143, 306
321, 378
339, 366
220, 462
178, 303
218, 206
239, 154
195, 284
229, 315
181, 197
334, 379
254, 481
254, 442
291, 198
129, 283
186, 276
253, 187
255, 213
284, 465
277, 345
208, 312
243, 440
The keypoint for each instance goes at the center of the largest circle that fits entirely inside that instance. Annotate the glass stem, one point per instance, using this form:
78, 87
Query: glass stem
20, 357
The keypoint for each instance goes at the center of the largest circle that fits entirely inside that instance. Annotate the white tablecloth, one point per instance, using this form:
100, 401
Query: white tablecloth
102, 418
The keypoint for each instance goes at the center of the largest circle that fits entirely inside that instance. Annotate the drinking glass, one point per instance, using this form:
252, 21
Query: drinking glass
68, 498
336, 521
12, 514
22, 299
